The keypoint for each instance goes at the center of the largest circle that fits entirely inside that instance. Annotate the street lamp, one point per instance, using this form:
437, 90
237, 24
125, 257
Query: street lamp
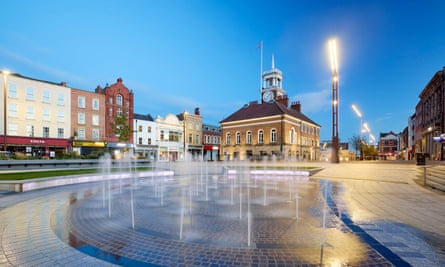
5, 94
334, 72
359, 114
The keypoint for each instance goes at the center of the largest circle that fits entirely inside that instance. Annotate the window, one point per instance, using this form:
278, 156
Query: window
46, 114
249, 138
45, 132
173, 136
119, 100
81, 102
273, 136
119, 112
12, 110
30, 94
12, 129
95, 134
110, 112
149, 129
30, 130
140, 140
149, 141
292, 136
228, 139
81, 118
81, 134
238, 138
110, 100
190, 138
95, 104
260, 137
95, 120
60, 99
12, 91
46, 97
197, 139
140, 128
162, 135
30, 112
60, 133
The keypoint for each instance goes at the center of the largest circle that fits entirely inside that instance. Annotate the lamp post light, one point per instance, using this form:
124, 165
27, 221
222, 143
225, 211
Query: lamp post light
334, 73
5, 94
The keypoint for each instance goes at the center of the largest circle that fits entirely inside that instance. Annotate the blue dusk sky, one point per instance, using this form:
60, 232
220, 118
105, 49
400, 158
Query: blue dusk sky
180, 54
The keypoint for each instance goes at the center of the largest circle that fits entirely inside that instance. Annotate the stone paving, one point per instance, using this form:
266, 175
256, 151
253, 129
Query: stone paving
376, 216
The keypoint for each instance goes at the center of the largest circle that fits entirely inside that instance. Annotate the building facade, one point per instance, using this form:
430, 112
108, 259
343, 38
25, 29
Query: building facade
270, 128
389, 146
192, 134
36, 116
119, 102
211, 141
145, 136
87, 122
169, 138
430, 117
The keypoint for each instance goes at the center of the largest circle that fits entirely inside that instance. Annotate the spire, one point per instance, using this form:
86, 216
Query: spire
273, 62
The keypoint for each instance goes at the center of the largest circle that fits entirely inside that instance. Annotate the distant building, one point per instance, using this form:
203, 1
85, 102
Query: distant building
37, 118
145, 136
119, 101
192, 134
87, 122
430, 117
270, 128
170, 138
211, 141
389, 145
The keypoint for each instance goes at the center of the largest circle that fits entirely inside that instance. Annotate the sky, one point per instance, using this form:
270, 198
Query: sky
177, 55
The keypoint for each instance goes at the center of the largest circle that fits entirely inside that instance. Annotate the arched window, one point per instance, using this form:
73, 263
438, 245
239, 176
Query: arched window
227, 138
119, 100
238, 138
273, 136
260, 137
249, 138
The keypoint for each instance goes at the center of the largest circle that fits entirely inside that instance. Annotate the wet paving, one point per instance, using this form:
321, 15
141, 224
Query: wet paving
192, 220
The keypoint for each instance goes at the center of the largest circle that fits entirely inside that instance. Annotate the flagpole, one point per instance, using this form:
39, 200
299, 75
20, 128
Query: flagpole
261, 69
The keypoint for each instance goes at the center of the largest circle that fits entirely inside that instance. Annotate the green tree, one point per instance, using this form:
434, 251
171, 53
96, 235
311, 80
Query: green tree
121, 128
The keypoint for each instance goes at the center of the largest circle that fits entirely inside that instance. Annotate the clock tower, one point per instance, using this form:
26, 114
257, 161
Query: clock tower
272, 84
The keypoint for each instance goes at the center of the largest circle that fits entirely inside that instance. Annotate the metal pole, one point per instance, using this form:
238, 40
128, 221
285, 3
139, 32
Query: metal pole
4, 109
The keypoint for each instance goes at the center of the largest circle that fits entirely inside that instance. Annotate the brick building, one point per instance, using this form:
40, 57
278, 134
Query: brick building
270, 128
119, 102
87, 122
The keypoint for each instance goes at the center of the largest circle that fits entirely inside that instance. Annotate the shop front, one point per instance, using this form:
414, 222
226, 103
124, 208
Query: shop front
37, 147
89, 148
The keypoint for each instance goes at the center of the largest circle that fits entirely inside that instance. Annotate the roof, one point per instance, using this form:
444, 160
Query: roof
143, 117
253, 110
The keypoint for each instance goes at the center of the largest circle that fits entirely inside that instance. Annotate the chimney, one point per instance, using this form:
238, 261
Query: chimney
296, 106
197, 112
63, 84
283, 99
119, 80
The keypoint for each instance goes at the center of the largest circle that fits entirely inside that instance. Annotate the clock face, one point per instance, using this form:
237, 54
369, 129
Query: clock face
268, 96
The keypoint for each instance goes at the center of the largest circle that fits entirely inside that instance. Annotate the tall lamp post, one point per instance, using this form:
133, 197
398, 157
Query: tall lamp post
334, 71
5, 77
359, 114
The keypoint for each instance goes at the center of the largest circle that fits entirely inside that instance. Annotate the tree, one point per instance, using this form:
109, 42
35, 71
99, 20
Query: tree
356, 142
121, 128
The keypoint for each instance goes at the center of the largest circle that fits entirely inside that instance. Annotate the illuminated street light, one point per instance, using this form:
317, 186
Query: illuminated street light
334, 71
5, 83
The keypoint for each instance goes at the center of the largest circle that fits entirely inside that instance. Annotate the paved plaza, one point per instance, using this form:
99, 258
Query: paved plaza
349, 214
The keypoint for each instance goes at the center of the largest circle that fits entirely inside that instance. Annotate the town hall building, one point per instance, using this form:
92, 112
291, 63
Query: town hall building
271, 127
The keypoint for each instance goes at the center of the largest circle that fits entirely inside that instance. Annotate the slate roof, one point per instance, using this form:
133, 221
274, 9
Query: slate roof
255, 110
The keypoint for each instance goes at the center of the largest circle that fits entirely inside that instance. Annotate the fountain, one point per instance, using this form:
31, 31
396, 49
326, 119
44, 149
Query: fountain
227, 213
